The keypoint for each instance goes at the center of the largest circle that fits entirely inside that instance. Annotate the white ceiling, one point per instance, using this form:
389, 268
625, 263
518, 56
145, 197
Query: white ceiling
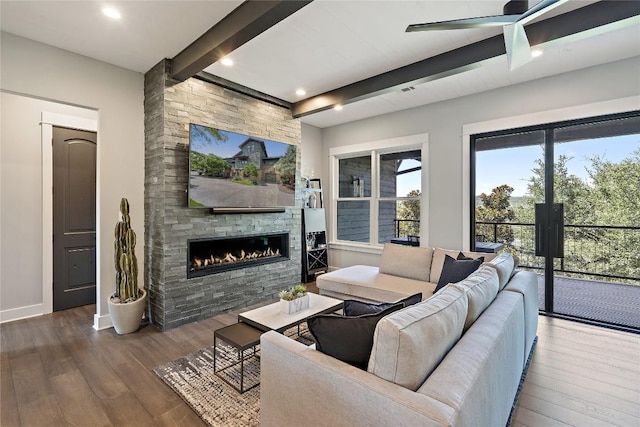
147, 32
325, 45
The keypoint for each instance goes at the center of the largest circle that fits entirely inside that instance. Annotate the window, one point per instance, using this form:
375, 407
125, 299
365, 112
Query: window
400, 190
354, 186
565, 201
378, 192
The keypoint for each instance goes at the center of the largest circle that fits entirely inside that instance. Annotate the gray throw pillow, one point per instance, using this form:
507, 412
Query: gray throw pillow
454, 270
353, 307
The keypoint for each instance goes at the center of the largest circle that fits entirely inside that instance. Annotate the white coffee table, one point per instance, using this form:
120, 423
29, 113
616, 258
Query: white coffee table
270, 318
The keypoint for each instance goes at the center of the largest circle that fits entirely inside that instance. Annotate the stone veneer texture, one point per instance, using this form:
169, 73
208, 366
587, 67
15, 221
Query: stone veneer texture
170, 106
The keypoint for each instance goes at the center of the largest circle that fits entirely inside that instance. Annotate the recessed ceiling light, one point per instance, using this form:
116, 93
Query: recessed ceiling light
226, 61
536, 52
338, 107
300, 92
111, 12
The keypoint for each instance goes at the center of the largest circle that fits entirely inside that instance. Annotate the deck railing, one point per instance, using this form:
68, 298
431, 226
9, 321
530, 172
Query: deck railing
591, 251
598, 251
407, 227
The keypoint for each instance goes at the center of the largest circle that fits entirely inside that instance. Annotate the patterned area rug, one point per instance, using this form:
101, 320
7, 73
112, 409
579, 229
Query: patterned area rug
216, 402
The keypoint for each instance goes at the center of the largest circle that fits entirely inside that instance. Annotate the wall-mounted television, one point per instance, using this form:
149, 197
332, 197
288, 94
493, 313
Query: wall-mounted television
232, 172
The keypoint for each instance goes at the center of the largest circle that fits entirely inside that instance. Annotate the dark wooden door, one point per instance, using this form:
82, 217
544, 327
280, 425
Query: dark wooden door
74, 218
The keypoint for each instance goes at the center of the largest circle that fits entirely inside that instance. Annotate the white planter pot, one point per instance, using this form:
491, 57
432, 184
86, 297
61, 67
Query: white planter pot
126, 317
293, 306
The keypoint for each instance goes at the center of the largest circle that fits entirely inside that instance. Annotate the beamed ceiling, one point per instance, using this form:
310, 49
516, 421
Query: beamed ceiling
353, 53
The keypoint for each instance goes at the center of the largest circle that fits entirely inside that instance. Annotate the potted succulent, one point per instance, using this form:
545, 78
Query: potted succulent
294, 299
126, 304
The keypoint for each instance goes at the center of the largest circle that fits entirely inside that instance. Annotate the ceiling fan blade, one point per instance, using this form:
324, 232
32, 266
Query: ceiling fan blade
517, 45
458, 24
541, 8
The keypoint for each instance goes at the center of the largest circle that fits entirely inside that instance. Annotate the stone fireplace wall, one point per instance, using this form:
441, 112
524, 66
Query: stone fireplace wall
169, 108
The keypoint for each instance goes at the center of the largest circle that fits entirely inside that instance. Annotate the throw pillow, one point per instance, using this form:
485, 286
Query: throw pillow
410, 343
438, 260
456, 270
349, 339
481, 288
411, 300
411, 262
505, 266
358, 308
462, 256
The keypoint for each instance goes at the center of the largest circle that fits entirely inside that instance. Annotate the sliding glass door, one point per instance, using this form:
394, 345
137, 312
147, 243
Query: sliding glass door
565, 199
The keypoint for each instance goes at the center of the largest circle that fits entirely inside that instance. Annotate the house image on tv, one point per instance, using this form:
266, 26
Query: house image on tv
254, 151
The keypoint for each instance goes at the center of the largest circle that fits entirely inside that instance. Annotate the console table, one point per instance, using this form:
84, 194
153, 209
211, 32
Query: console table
406, 241
488, 247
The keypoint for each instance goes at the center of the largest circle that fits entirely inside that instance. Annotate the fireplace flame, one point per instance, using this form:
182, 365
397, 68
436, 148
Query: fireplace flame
230, 258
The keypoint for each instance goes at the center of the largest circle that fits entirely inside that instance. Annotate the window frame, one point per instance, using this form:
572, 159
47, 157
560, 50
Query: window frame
375, 149
614, 106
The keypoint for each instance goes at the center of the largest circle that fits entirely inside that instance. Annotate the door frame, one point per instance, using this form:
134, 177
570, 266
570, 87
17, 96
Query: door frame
49, 120
620, 105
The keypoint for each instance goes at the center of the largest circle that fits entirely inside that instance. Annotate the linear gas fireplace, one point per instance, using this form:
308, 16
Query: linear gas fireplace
215, 255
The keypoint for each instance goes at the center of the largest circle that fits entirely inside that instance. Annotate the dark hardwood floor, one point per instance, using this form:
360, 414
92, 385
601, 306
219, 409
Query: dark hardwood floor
58, 371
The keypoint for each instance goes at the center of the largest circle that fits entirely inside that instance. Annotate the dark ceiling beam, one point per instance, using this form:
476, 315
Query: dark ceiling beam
469, 57
247, 21
236, 87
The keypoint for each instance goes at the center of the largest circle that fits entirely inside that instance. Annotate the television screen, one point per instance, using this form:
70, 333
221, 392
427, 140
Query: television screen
230, 171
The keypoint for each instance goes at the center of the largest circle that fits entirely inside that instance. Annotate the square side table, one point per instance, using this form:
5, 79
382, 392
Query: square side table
242, 337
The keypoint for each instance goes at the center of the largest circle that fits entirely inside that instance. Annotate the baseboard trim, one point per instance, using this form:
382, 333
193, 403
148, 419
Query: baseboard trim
21, 313
102, 322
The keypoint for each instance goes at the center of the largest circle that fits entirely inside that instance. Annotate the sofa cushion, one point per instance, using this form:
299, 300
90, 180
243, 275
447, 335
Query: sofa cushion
353, 307
479, 377
366, 283
347, 338
481, 288
504, 265
409, 344
406, 261
438, 260
455, 270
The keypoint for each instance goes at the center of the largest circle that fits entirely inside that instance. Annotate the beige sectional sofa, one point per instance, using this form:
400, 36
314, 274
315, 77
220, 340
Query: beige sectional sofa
403, 271
455, 359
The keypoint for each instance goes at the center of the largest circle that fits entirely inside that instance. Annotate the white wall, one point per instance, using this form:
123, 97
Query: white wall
21, 183
444, 123
311, 159
38, 72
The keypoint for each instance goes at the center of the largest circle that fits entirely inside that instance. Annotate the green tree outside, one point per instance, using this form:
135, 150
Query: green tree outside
286, 167
615, 200
609, 197
495, 207
203, 136
250, 171
615, 196
409, 210
209, 164
568, 189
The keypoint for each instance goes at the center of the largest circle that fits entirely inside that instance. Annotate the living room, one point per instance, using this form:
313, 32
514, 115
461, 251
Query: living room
37, 77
